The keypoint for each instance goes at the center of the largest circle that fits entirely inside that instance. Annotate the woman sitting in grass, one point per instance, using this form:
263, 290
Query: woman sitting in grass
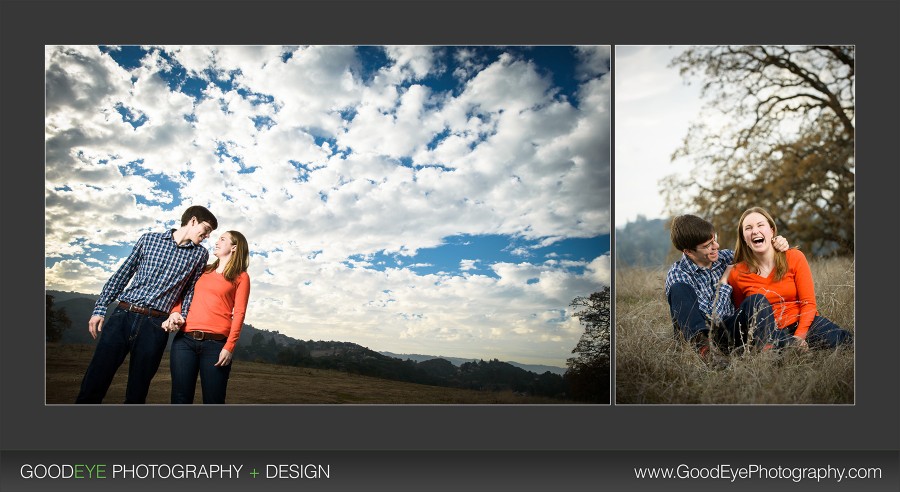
784, 278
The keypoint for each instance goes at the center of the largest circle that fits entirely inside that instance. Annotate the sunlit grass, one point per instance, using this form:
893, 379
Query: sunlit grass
271, 384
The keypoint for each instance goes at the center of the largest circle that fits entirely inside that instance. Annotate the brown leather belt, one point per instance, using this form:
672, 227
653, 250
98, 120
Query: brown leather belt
141, 310
202, 335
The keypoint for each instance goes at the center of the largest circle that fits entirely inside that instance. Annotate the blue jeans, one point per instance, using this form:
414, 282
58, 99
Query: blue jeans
753, 315
823, 333
190, 357
122, 333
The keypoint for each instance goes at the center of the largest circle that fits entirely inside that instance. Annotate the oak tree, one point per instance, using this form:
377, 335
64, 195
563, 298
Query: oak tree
588, 373
778, 133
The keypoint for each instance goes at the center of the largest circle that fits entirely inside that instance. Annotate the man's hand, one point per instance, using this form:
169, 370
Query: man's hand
173, 323
780, 244
95, 325
724, 279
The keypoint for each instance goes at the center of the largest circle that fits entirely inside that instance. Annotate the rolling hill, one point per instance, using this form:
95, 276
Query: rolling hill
264, 346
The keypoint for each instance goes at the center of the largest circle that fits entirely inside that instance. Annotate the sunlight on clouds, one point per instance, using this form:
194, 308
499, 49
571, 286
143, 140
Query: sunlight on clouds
73, 275
599, 270
508, 84
417, 59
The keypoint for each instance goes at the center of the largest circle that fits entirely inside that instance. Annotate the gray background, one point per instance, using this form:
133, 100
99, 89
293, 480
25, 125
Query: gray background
27, 424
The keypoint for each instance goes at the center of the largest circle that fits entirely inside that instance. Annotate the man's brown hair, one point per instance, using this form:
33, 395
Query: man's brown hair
202, 214
690, 231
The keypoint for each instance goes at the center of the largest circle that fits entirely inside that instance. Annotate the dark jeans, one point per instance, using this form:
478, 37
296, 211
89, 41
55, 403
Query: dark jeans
122, 333
823, 333
752, 317
190, 357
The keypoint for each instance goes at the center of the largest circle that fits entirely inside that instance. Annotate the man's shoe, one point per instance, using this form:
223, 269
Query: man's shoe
712, 358
717, 361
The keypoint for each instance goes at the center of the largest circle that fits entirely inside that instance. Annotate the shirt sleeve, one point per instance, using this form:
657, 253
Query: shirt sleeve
674, 276
806, 293
189, 293
241, 296
670, 279
727, 255
722, 298
177, 307
116, 284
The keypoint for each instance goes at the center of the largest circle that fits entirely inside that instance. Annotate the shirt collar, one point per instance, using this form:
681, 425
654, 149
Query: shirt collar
692, 267
171, 235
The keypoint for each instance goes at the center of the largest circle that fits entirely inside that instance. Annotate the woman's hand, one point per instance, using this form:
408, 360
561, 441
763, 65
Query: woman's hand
780, 244
173, 323
801, 344
224, 358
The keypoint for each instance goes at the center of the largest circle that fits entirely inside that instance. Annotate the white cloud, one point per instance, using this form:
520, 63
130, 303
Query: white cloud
595, 60
599, 270
653, 104
412, 62
72, 275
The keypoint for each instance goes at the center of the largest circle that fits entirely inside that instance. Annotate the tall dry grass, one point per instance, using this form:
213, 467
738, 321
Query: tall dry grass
652, 367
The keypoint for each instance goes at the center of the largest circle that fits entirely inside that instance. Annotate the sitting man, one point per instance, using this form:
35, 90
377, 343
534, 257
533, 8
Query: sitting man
699, 295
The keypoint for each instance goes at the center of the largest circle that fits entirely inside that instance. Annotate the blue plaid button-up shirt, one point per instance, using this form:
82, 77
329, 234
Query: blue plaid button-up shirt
163, 272
705, 282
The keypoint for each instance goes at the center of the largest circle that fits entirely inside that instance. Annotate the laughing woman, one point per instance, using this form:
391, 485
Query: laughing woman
786, 281
206, 343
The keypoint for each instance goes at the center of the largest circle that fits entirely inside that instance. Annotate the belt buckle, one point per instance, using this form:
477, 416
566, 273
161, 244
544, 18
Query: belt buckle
196, 335
134, 308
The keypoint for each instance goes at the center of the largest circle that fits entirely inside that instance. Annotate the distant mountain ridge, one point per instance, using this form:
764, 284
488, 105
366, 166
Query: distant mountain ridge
459, 361
273, 347
644, 243
79, 308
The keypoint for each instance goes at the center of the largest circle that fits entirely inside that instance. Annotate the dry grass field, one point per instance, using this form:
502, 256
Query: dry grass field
651, 367
270, 384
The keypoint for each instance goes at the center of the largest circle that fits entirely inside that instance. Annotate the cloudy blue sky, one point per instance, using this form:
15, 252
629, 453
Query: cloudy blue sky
413, 199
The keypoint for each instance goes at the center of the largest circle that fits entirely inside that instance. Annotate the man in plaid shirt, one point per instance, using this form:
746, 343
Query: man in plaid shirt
699, 295
162, 268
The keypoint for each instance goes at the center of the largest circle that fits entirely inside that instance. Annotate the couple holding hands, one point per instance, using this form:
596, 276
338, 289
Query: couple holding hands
172, 289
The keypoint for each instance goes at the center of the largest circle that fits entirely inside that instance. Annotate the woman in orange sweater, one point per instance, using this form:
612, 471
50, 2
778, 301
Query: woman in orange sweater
206, 343
786, 281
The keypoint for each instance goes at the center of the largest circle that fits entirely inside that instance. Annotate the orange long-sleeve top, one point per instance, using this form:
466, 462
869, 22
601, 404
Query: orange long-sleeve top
219, 306
793, 298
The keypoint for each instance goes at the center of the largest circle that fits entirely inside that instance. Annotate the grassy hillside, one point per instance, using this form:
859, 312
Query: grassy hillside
652, 368
257, 383
264, 346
